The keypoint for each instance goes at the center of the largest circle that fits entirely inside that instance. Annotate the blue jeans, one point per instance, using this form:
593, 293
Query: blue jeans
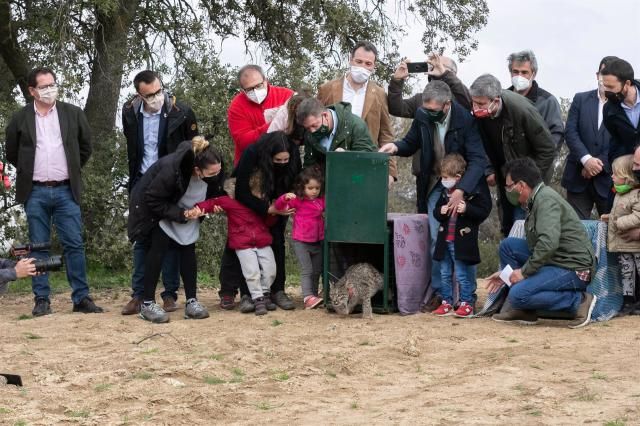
434, 195
170, 271
56, 205
550, 289
464, 273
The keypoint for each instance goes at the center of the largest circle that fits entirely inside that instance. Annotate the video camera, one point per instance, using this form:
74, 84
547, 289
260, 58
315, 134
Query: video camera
53, 263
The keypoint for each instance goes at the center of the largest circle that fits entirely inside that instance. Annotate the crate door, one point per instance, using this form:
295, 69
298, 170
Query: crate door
356, 187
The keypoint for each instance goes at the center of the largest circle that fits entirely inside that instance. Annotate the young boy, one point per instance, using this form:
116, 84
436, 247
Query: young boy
457, 243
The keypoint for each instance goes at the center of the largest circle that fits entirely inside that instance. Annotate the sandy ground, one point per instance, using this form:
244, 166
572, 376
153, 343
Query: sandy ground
310, 367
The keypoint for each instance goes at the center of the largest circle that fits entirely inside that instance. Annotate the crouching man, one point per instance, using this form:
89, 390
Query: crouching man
11, 270
553, 266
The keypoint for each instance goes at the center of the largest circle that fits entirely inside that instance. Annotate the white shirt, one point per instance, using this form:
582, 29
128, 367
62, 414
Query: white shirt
354, 97
601, 103
50, 162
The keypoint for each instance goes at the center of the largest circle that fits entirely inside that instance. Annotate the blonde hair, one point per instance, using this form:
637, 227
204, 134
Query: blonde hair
199, 144
623, 167
453, 164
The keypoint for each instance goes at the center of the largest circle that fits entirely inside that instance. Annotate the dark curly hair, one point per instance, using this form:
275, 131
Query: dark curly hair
304, 177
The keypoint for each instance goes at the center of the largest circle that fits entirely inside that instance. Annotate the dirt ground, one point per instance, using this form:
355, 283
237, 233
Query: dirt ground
310, 367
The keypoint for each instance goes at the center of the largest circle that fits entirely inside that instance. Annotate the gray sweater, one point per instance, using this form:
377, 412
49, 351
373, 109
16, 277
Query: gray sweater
7, 273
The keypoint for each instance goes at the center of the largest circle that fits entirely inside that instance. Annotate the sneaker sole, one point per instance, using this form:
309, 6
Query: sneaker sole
463, 316
587, 320
315, 305
195, 318
155, 322
521, 322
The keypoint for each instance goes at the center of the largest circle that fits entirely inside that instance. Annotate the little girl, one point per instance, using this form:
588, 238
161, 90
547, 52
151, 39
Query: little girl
249, 236
625, 215
308, 230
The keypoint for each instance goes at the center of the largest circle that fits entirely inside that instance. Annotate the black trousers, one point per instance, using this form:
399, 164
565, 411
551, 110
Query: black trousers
421, 194
231, 278
157, 244
582, 202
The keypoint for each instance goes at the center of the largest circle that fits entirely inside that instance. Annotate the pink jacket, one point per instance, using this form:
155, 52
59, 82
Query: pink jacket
308, 222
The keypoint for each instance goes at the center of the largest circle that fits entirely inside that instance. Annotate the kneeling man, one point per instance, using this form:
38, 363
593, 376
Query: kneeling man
553, 266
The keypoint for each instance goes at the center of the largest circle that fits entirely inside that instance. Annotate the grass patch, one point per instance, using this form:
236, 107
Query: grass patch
143, 375
512, 340
614, 423
238, 375
20, 423
331, 374
282, 376
103, 387
586, 395
213, 380
599, 376
264, 406
276, 323
216, 357
365, 343
78, 414
354, 405
24, 317
4, 410
151, 351
32, 336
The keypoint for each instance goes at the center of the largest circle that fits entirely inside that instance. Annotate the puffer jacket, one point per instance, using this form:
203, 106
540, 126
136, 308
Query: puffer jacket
308, 222
625, 215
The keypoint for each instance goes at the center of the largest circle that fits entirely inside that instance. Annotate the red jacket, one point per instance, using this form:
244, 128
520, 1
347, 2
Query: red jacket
245, 229
246, 118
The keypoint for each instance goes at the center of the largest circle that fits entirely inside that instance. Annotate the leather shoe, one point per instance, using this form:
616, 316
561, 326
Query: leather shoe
86, 306
282, 300
169, 304
42, 307
133, 307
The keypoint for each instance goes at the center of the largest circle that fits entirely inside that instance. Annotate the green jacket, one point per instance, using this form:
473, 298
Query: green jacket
525, 133
555, 235
352, 135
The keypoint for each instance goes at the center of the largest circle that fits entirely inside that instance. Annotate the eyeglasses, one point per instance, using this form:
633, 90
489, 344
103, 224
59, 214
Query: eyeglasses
48, 86
257, 86
151, 95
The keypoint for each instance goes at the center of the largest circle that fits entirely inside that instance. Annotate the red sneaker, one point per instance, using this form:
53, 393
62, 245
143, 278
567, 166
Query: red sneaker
464, 310
444, 309
311, 302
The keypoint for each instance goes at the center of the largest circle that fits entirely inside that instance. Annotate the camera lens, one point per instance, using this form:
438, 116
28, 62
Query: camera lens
54, 263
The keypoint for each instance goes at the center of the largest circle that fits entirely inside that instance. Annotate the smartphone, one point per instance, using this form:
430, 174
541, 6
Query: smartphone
415, 67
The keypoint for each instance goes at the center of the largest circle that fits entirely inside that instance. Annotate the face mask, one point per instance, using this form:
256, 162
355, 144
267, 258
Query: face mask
211, 179
49, 95
513, 197
434, 115
322, 132
449, 183
257, 95
622, 189
359, 75
483, 112
280, 167
155, 103
614, 96
520, 83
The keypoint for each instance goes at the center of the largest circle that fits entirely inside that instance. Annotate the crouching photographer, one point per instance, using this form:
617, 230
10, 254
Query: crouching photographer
11, 270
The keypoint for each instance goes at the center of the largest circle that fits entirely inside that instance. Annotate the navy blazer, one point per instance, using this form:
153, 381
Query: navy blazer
624, 137
463, 137
584, 137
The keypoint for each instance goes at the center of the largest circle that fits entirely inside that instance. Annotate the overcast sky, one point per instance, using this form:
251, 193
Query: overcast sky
569, 38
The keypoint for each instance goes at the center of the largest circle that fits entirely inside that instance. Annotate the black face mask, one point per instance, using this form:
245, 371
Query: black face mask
614, 96
280, 167
210, 180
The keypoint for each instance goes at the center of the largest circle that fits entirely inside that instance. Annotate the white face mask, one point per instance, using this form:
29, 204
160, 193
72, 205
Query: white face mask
48, 95
257, 95
449, 183
520, 83
155, 103
359, 75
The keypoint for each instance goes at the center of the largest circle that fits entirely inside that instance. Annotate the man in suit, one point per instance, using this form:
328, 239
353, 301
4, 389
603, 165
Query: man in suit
49, 142
621, 113
154, 124
587, 171
368, 100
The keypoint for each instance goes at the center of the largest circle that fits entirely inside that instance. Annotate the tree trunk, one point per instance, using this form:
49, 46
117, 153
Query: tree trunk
111, 53
14, 58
